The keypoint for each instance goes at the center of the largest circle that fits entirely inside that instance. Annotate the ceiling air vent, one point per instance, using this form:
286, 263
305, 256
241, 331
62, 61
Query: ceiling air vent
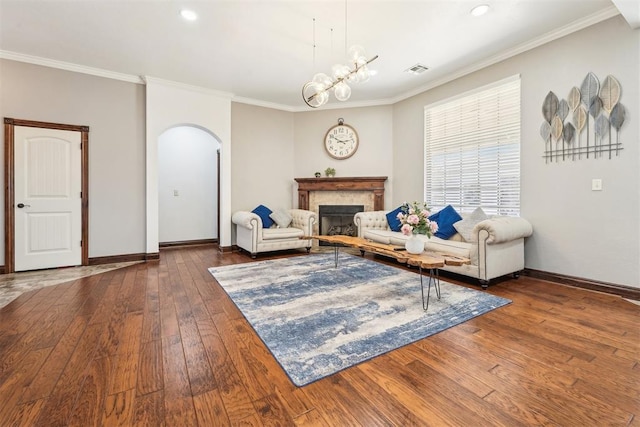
416, 69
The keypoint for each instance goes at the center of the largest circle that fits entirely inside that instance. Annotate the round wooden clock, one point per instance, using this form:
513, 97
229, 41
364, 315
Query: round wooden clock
341, 141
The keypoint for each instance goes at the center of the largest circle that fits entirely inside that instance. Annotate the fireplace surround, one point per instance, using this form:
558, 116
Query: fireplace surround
340, 191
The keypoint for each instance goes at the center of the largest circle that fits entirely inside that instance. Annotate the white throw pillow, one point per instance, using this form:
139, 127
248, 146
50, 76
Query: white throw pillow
281, 217
465, 226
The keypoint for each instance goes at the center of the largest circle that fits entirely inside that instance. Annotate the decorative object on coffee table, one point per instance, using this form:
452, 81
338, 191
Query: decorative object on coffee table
414, 220
414, 245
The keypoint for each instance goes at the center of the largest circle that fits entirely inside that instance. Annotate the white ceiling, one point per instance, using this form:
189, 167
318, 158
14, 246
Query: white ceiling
262, 51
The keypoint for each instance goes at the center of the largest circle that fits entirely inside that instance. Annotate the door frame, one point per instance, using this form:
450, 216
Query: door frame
9, 181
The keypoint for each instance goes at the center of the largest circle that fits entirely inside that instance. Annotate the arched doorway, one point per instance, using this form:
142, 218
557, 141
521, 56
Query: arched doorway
188, 186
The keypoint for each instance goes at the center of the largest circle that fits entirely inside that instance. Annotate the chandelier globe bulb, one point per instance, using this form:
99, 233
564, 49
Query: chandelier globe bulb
340, 71
355, 52
342, 91
322, 80
363, 74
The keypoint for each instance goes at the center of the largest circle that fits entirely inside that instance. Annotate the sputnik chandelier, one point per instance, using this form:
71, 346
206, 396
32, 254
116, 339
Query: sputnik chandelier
316, 92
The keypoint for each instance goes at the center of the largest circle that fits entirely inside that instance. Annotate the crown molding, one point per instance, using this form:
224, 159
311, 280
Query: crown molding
630, 10
265, 104
184, 86
578, 25
68, 66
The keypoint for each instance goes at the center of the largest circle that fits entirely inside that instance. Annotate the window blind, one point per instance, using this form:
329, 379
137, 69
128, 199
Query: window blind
472, 150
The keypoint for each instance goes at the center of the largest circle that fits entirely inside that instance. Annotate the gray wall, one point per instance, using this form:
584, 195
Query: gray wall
114, 111
262, 157
374, 126
577, 232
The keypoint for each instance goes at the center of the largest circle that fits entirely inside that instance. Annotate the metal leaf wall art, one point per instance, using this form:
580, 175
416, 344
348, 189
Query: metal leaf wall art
601, 103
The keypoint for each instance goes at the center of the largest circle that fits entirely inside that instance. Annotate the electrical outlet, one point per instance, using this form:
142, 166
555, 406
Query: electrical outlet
596, 184
176, 193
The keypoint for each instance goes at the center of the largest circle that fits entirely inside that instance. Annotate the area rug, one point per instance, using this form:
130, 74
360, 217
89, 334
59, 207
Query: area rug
317, 319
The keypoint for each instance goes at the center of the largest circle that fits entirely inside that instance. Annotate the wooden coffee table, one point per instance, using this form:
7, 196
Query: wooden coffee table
430, 261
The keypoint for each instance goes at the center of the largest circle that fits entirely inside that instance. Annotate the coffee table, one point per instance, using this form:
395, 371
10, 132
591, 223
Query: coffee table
430, 261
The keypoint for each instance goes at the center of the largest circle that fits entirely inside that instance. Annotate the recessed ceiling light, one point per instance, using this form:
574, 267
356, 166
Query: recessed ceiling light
480, 10
189, 15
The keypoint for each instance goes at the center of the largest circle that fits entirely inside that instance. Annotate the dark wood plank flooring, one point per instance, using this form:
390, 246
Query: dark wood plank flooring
161, 344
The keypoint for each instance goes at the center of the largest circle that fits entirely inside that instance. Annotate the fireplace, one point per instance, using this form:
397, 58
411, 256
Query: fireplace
337, 219
340, 191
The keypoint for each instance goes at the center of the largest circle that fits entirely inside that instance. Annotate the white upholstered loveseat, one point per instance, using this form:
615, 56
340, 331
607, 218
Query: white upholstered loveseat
498, 248
254, 238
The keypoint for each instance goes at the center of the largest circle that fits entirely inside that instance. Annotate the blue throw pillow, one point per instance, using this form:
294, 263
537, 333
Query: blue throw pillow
392, 219
263, 212
445, 219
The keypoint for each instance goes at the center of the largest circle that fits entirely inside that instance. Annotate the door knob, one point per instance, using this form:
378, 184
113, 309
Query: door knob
22, 205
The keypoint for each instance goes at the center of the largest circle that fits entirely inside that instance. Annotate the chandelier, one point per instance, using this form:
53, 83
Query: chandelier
316, 92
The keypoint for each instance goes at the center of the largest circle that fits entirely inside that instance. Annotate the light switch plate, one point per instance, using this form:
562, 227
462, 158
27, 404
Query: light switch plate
596, 184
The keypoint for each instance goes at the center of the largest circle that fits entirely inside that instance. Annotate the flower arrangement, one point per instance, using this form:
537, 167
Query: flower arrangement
415, 219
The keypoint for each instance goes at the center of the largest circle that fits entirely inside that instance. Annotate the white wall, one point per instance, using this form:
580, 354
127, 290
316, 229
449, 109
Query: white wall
577, 232
375, 151
114, 111
187, 185
168, 105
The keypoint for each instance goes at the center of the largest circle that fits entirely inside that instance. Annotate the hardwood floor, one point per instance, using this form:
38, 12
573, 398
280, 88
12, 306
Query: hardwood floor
162, 344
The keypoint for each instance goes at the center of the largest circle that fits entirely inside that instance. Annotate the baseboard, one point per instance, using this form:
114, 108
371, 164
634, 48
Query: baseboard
153, 256
624, 291
228, 249
200, 242
119, 258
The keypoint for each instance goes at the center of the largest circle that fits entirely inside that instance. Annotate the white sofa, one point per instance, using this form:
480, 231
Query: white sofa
498, 251
254, 238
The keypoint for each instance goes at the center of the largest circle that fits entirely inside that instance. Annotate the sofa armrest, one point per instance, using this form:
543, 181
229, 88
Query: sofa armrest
303, 219
503, 229
248, 220
376, 220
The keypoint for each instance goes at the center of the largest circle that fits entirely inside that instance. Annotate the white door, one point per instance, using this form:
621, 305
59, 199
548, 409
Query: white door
48, 200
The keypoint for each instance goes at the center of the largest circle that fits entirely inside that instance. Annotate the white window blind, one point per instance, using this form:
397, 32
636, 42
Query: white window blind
472, 150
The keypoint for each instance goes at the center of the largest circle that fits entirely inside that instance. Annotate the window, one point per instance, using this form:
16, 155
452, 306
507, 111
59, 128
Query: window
472, 150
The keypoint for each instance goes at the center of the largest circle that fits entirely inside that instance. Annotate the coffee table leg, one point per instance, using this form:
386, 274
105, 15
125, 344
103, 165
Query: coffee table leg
335, 255
434, 277
435, 273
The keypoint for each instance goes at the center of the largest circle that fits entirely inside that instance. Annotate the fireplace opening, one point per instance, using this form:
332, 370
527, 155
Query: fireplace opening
337, 219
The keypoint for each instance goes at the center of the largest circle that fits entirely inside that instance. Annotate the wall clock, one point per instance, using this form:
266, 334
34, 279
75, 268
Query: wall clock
341, 141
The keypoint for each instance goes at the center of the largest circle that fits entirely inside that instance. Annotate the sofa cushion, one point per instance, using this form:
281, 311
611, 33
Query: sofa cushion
435, 244
378, 235
281, 217
451, 247
392, 219
465, 226
281, 233
263, 212
445, 219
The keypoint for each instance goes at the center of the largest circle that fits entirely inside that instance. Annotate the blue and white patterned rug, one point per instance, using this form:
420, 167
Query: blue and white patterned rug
317, 320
